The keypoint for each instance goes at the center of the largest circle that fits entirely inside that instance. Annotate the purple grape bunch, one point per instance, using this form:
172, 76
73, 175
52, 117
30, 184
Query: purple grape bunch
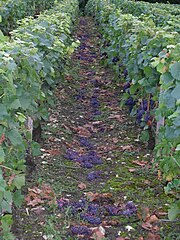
81, 230
143, 113
93, 175
130, 102
115, 59
84, 142
130, 209
91, 219
126, 86
87, 160
112, 210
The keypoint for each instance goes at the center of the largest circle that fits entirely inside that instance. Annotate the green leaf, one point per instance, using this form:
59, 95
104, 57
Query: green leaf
36, 149
2, 155
1, 196
175, 70
18, 198
144, 136
19, 181
160, 67
25, 101
176, 92
134, 88
15, 137
15, 104
7, 235
6, 207
6, 222
173, 211
178, 147
3, 112
167, 78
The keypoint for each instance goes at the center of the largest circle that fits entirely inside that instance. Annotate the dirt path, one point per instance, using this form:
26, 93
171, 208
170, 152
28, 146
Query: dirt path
95, 178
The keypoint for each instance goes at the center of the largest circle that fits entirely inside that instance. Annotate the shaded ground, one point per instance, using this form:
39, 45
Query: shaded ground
95, 178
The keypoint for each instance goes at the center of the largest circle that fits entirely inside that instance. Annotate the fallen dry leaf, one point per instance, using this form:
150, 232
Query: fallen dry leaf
148, 226
38, 210
82, 186
144, 214
152, 219
127, 148
83, 132
99, 197
131, 170
159, 214
110, 223
140, 163
36, 201
52, 152
37, 196
152, 236
98, 233
35, 190
159, 175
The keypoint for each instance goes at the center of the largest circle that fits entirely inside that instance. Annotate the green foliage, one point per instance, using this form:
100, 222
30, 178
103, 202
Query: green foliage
32, 63
174, 211
13, 10
148, 46
162, 1
163, 15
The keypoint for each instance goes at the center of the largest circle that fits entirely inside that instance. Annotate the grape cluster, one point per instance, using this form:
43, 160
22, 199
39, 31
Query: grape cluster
86, 160
112, 210
125, 72
130, 102
93, 175
79, 206
71, 155
130, 209
84, 142
126, 86
91, 219
62, 203
81, 230
115, 59
93, 213
143, 113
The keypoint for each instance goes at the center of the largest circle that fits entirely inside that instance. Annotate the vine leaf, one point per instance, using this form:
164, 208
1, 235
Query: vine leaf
19, 181
173, 211
175, 70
